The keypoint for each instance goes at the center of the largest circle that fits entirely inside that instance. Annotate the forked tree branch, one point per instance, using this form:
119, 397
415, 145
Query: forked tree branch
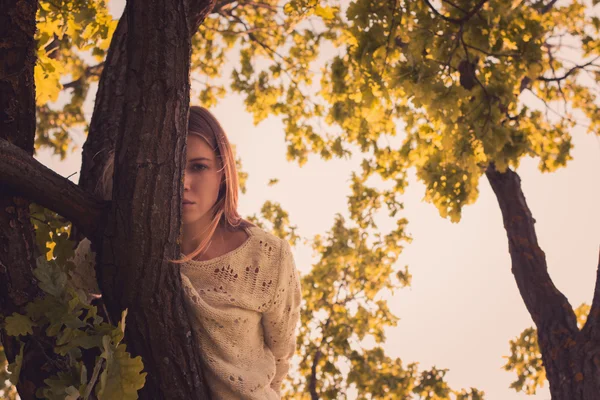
568, 73
24, 176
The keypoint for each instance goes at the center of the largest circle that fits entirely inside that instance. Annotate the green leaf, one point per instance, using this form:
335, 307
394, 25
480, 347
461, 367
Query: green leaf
52, 279
72, 393
15, 367
71, 339
60, 387
18, 324
122, 377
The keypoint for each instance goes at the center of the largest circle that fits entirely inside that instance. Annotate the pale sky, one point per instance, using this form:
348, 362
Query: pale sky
463, 305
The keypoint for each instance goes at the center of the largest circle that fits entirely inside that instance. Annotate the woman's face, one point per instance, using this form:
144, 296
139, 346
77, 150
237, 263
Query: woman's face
202, 179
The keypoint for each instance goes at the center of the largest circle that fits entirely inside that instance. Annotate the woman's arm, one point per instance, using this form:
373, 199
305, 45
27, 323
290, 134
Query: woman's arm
279, 322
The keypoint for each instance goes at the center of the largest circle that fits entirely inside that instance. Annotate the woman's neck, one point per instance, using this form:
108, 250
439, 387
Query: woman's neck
223, 241
194, 234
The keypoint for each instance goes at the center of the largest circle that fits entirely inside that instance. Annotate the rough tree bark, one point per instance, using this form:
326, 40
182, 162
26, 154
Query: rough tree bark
139, 234
17, 126
110, 98
24, 176
143, 227
571, 357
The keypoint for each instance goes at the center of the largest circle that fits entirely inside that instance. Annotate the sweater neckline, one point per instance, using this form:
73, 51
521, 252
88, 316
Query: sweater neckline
231, 253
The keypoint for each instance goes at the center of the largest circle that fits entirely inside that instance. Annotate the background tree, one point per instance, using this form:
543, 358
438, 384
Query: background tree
525, 358
455, 76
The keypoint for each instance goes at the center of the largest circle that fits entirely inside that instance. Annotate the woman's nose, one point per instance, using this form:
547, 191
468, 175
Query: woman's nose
186, 182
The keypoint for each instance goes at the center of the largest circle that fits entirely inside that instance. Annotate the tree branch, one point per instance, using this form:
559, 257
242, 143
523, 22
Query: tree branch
220, 5
458, 21
547, 7
312, 382
199, 9
93, 70
28, 178
455, 6
569, 72
489, 53
545, 303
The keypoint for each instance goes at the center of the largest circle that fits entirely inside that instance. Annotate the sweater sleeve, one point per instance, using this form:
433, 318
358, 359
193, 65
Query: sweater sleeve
280, 320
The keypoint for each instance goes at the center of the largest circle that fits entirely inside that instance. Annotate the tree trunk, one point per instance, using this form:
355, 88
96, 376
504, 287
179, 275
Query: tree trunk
17, 244
137, 238
571, 357
110, 98
143, 229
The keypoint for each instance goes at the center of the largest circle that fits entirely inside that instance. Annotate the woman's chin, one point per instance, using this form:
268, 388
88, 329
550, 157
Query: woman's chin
189, 218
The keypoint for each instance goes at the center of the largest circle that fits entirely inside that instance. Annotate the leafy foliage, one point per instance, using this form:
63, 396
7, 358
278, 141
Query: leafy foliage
456, 77
65, 318
343, 307
525, 358
52, 235
274, 218
17, 324
63, 48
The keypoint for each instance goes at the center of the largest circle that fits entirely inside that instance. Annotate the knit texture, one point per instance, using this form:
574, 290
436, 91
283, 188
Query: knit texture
244, 307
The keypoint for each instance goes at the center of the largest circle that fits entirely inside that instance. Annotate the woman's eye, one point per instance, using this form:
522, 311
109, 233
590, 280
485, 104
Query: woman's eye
199, 167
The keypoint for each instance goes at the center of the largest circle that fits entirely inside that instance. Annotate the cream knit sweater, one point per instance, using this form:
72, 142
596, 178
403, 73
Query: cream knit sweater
244, 307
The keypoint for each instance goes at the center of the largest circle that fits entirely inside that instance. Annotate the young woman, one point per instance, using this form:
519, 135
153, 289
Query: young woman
242, 287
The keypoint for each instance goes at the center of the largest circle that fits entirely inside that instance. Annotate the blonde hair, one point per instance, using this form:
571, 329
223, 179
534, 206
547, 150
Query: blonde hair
202, 123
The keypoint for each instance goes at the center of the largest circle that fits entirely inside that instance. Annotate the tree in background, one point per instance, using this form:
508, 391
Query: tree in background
460, 78
456, 74
453, 73
525, 358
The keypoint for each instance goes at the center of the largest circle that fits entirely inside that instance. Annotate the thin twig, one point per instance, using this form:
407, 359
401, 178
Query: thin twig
93, 379
555, 79
488, 53
455, 6
459, 21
